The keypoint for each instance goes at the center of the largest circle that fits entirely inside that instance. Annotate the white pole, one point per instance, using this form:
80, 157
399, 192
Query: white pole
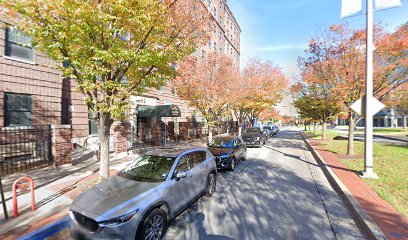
368, 148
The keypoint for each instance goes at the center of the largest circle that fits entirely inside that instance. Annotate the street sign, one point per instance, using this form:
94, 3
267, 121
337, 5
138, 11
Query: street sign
374, 104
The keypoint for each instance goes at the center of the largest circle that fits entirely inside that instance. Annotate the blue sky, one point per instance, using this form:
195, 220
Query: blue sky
279, 30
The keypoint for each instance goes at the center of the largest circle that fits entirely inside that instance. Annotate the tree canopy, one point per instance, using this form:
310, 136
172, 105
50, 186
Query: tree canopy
112, 49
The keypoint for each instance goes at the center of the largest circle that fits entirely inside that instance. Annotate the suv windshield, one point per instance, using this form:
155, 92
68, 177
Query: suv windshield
222, 143
148, 168
267, 128
252, 130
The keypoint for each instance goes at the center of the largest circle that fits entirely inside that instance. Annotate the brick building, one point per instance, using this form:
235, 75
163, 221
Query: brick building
33, 92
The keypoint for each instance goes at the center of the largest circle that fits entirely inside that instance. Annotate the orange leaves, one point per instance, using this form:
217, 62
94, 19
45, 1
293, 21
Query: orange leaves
206, 83
269, 114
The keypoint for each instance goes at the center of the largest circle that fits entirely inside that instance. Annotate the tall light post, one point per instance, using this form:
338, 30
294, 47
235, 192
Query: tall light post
368, 106
368, 142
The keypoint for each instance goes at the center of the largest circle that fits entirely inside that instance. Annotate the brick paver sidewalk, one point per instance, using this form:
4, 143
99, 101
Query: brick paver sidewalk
55, 190
393, 224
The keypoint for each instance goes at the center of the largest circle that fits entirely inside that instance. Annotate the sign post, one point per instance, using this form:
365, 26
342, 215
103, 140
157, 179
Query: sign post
368, 142
370, 105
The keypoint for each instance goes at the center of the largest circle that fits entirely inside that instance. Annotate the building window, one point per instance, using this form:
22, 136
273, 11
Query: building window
215, 12
93, 129
209, 45
18, 45
161, 89
215, 46
221, 4
18, 110
65, 111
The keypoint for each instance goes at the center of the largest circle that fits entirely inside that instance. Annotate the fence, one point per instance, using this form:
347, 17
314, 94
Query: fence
24, 148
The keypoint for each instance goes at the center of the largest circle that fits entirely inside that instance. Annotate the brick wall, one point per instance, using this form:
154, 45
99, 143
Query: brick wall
61, 144
121, 133
37, 79
79, 113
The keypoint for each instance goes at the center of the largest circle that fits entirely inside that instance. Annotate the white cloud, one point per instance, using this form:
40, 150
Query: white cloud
283, 47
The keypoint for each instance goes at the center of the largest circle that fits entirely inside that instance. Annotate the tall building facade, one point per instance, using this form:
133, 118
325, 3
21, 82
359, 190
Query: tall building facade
224, 31
34, 93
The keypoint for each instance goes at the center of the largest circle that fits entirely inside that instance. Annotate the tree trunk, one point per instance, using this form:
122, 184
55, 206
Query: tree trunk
324, 127
350, 142
103, 133
209, 134
239, 127
305, 127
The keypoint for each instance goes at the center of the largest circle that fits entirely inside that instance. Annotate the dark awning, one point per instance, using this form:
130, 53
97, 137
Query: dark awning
159, 111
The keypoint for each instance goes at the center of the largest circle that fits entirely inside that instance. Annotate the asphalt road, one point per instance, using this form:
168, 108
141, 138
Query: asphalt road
278, 193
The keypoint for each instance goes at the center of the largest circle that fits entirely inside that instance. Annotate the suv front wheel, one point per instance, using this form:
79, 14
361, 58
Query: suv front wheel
154, 226
211, 185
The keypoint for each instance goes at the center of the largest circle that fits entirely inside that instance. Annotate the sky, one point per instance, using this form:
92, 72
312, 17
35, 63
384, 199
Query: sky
279, 30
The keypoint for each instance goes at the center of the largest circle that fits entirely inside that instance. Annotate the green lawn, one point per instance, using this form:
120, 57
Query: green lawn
390, 163
386, 131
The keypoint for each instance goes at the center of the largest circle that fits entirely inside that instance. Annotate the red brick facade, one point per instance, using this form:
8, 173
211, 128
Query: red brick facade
61, 144
37, 79
55, 100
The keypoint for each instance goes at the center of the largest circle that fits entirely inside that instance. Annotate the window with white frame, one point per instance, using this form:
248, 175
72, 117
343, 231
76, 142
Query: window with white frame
18, 45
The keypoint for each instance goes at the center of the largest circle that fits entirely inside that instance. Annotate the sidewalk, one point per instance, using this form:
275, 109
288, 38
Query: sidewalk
56, 188
393, 224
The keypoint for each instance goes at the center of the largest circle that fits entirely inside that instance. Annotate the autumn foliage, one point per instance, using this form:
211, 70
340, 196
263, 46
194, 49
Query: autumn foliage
112, 49
205, 82
261, 87
333, 71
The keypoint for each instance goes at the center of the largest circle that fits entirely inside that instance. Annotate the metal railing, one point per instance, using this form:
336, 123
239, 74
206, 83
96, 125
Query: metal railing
24, 148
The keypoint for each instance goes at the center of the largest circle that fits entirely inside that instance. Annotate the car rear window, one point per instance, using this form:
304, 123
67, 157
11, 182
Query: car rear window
252, 130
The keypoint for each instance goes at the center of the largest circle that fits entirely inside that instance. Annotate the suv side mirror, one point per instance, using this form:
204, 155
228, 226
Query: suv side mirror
181, 175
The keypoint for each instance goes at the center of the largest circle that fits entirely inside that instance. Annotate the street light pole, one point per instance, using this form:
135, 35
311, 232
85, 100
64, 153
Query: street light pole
368, 146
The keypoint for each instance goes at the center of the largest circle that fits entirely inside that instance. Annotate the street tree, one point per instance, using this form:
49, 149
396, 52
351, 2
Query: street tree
111, 49
391, 62
336, 55
269, 114
261, 87
205, 83
398, 99
314, 100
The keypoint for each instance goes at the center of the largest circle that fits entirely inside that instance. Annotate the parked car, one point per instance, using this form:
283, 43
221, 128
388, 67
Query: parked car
269, 131
140, 200
253, 137
228, 151
275, 129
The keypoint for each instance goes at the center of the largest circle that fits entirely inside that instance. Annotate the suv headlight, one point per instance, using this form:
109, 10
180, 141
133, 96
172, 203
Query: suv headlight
118, 220
258, 138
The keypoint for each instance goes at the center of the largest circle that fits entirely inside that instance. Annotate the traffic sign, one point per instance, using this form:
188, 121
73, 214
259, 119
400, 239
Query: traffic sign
373, 103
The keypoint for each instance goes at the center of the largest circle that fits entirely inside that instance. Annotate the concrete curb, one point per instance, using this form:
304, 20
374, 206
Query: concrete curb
390, 138
362, 218
48, 230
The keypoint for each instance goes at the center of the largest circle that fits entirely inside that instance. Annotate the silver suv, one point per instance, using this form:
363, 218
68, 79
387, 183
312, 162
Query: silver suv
139, 201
